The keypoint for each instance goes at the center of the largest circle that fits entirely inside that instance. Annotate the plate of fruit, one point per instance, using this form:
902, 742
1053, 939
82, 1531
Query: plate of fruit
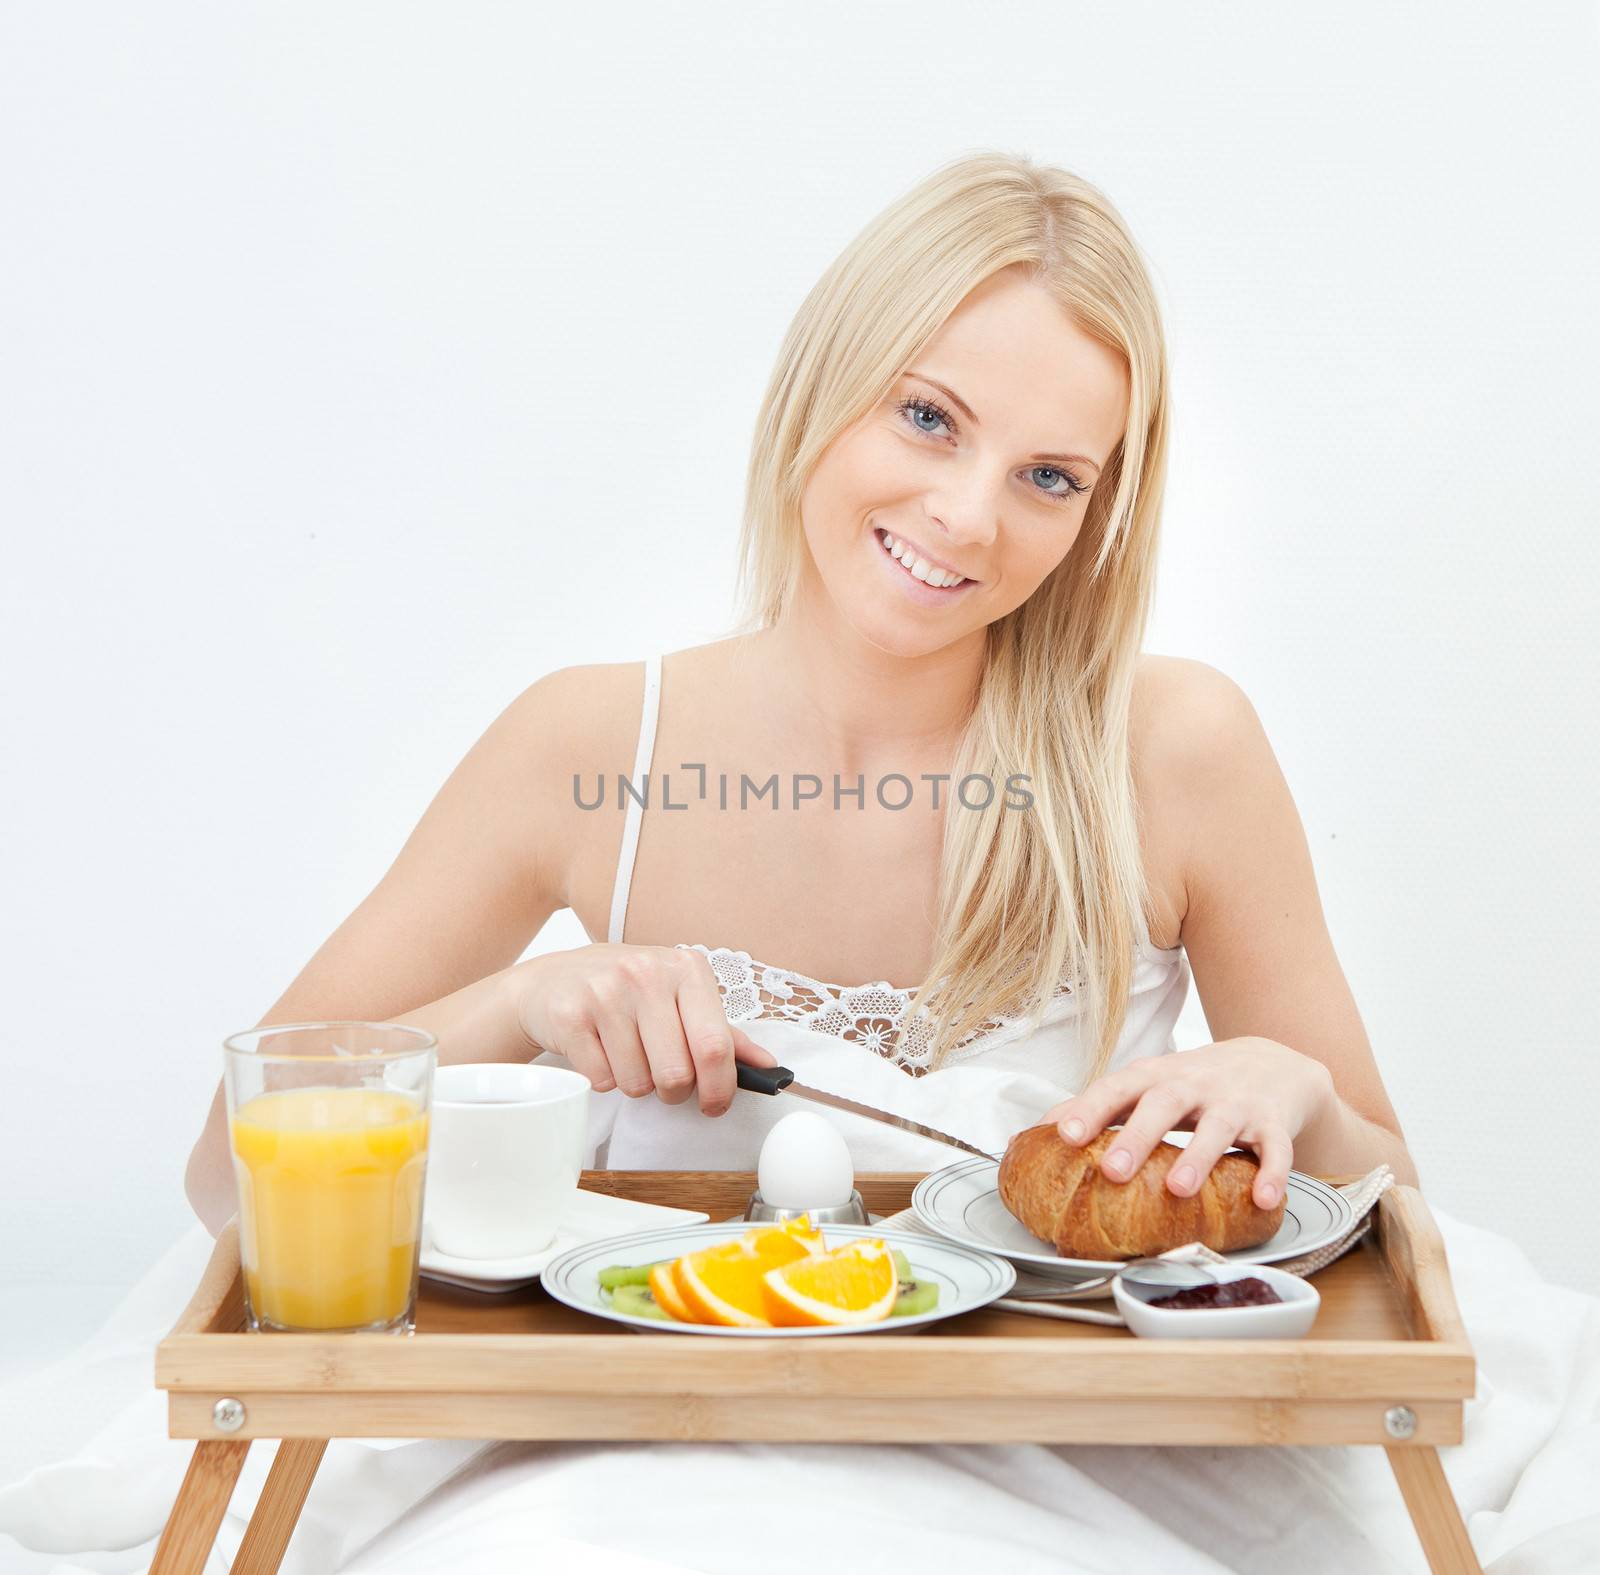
793, 1278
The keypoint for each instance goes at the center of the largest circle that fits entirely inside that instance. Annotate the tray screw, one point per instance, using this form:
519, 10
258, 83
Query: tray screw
1399, 1421
228, 1415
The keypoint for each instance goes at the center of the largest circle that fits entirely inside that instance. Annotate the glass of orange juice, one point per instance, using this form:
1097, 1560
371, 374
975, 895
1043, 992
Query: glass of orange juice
328, 1124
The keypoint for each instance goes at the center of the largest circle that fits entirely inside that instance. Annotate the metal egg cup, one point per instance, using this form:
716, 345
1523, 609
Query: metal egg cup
853, 1211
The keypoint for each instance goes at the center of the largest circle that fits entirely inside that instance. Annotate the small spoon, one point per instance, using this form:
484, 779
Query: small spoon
1167, 1273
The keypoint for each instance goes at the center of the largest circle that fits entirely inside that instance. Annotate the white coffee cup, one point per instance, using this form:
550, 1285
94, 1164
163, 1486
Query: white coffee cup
505, 1150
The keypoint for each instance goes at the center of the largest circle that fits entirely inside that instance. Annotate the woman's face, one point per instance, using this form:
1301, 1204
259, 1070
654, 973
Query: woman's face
980, 460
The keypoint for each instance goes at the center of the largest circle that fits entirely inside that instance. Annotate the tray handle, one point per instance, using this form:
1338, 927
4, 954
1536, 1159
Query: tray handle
220, 1276
1413, 1251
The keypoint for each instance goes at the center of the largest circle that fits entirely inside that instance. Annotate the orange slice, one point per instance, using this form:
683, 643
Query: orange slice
722, 1284
855, 1283
796, 1238
667, 1296
802, 1228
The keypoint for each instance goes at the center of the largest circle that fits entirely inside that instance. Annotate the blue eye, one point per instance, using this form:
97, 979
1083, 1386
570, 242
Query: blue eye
1073, 487
918, 405
912, 408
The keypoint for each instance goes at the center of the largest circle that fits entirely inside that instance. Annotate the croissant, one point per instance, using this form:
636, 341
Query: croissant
1060, 1193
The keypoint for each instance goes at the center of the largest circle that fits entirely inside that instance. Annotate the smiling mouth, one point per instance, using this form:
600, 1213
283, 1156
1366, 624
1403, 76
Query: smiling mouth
917, 567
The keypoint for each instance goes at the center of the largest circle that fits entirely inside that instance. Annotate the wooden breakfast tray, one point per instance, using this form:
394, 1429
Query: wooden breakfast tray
1386, 1363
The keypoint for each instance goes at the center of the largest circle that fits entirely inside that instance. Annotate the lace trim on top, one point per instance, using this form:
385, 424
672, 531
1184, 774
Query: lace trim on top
873, 1015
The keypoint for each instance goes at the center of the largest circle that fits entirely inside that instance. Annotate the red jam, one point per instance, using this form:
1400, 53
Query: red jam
1231, 1293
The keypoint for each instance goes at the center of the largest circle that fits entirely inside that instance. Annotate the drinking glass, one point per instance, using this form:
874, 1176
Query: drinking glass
328, 1125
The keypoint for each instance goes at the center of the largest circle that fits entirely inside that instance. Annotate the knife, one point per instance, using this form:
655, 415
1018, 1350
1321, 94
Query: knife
780, 1080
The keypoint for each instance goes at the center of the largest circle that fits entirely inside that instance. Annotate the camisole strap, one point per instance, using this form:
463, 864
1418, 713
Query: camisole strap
635, 812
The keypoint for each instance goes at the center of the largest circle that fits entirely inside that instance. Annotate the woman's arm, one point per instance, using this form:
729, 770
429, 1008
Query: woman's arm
1340, 1142
435, 942
1254, 929
1291, 1063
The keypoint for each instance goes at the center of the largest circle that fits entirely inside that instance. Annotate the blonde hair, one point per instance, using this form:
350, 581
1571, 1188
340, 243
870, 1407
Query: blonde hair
1034, 904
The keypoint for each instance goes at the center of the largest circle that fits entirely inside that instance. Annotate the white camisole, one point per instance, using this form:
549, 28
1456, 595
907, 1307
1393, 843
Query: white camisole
858, 1041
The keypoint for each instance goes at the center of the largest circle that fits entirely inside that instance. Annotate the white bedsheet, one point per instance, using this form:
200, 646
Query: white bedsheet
1527, 1478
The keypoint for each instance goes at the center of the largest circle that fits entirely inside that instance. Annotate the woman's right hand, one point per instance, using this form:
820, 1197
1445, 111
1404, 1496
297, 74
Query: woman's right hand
640, 1018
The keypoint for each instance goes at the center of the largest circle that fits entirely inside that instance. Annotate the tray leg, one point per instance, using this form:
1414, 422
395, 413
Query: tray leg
1434, 1512
278, 1508
201, 1503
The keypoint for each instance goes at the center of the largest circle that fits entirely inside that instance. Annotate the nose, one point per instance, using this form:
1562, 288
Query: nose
964, 512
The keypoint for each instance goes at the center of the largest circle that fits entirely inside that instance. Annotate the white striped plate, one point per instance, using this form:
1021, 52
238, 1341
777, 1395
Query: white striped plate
967, 1277
962, 1203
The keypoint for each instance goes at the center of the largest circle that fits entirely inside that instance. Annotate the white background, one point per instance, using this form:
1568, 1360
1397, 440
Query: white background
362, 363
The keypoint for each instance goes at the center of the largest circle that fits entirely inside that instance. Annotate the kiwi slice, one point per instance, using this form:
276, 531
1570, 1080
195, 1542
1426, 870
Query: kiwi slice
615, 1274
638, 1302
914, 1295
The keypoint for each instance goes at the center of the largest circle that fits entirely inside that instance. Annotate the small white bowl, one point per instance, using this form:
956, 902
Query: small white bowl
1287, 1319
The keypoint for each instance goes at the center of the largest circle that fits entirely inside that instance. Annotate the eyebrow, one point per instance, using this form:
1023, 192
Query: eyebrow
968, 412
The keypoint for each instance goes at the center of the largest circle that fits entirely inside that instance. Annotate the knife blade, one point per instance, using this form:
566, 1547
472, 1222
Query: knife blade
780, 1080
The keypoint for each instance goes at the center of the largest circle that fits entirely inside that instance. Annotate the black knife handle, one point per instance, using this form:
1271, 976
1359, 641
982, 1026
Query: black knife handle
764, 1079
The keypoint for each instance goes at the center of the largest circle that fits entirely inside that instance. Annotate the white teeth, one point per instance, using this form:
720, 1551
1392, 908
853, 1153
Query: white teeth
920, 568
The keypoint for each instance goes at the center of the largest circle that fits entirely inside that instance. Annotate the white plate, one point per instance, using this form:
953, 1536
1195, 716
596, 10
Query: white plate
962, 1202
587, 1216
967, 1278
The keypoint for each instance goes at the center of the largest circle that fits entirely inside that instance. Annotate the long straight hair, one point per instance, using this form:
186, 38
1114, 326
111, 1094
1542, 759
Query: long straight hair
1031, 905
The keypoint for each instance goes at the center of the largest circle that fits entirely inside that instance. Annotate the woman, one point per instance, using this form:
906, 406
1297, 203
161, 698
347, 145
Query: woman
949, 553
978, 386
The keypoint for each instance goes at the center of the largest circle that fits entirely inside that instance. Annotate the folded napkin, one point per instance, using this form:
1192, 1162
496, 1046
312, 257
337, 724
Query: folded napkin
1362, 1196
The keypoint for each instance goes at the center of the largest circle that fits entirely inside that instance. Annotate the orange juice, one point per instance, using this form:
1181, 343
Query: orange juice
330, 1204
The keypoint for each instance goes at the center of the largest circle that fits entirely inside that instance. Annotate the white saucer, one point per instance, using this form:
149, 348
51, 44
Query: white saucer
589, 1216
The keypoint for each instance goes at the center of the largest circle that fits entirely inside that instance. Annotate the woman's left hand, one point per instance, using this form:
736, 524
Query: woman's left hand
1252, 1092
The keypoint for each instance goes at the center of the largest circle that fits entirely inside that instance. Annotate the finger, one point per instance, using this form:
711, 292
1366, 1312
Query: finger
1153, 1117
1214, 1134
619, 1037
666, 1046
746, 1049
1104, 1101
1275, 1155
582, 1048
709, 1035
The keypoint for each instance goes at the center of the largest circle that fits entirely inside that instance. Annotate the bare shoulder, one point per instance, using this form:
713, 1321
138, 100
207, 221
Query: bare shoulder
581, 705
573, 717
586, 717
600, 700
571, 722
1193, 736
578, 726
1186, 712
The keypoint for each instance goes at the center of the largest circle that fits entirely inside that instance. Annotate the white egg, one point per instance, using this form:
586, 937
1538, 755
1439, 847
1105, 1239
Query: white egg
805, 1164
